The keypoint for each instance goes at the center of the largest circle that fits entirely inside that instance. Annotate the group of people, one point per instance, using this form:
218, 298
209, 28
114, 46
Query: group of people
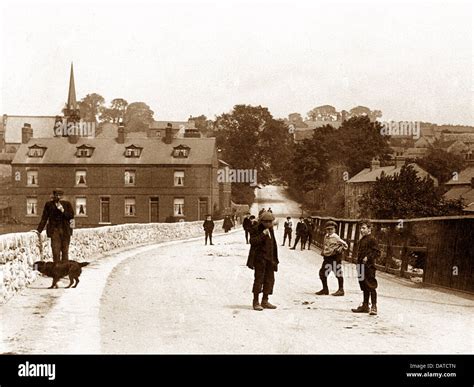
304, 232
263, 258
58, 218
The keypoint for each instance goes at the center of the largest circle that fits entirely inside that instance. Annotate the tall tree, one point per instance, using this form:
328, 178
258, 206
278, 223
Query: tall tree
91, 107
202, 123
116, 112
138, 117
250, 138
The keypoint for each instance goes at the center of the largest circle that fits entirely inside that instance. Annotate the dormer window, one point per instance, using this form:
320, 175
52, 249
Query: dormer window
84, 151
133, 151
181, 151
36, 151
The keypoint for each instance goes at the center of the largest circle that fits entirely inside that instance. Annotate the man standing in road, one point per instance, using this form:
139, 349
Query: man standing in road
288, 226
59, 215
301, 232
263, 259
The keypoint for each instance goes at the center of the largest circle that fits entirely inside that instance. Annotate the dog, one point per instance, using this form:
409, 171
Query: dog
58, 270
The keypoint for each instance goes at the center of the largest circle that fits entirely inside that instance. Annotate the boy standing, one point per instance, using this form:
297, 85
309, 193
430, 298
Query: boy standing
367, 255
333, 246
288, 231
263, 259
208, 228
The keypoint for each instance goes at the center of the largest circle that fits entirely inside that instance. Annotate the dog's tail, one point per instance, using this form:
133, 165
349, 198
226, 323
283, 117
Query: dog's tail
82, 264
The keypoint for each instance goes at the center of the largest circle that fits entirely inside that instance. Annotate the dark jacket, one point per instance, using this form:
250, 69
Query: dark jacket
301, 229
247, 224
368, 247
227, 225
309, 227
55, 218
208, 225
262, 247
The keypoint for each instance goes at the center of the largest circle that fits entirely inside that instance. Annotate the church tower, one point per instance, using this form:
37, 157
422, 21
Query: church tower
71, 110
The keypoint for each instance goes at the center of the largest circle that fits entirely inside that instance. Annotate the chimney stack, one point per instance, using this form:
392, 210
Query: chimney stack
26, 133
168, 134
121, 134
374, 164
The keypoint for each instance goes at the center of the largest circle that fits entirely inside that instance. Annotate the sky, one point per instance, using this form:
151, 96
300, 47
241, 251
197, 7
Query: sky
413, 60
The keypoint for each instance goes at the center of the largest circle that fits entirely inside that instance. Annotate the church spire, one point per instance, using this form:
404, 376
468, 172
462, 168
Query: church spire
71, 98
71, 110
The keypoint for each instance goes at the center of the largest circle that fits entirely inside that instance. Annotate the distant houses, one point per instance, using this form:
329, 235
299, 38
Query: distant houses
461, 186
363, 181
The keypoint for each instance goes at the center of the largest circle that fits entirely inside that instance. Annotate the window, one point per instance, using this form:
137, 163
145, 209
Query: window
32, 178
130, 209
178, 204
81, 178
84, 151
133, 151
32, 206
178, 178
129, 177
81, 206
181, 151
36, 151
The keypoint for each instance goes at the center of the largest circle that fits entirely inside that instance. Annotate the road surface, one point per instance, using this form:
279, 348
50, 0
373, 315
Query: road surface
184, 297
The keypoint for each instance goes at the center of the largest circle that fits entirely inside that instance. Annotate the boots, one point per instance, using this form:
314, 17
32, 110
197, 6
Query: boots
364, 308
256, 305
373, 310
325, 290
340, 292
266, 304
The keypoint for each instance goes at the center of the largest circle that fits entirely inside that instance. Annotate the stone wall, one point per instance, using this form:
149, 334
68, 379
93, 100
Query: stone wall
19, 251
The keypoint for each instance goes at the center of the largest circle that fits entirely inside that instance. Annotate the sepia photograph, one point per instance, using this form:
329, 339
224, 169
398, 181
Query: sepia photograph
236, 177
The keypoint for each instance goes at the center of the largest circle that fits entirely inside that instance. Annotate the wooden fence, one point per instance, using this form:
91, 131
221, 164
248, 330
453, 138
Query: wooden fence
438, 250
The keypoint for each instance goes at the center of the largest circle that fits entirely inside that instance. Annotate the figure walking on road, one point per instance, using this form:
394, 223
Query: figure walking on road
263, 259
227, 225
58, 215
367, 255
208, 226
333, 247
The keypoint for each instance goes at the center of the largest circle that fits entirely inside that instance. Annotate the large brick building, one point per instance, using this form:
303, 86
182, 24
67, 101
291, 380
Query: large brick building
119, 180
165, 174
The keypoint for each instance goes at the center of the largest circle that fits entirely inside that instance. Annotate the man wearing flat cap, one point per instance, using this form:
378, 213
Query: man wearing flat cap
58, 215
263, 259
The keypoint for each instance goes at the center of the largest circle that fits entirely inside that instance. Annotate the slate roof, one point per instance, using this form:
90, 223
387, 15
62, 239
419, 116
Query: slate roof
107, 151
